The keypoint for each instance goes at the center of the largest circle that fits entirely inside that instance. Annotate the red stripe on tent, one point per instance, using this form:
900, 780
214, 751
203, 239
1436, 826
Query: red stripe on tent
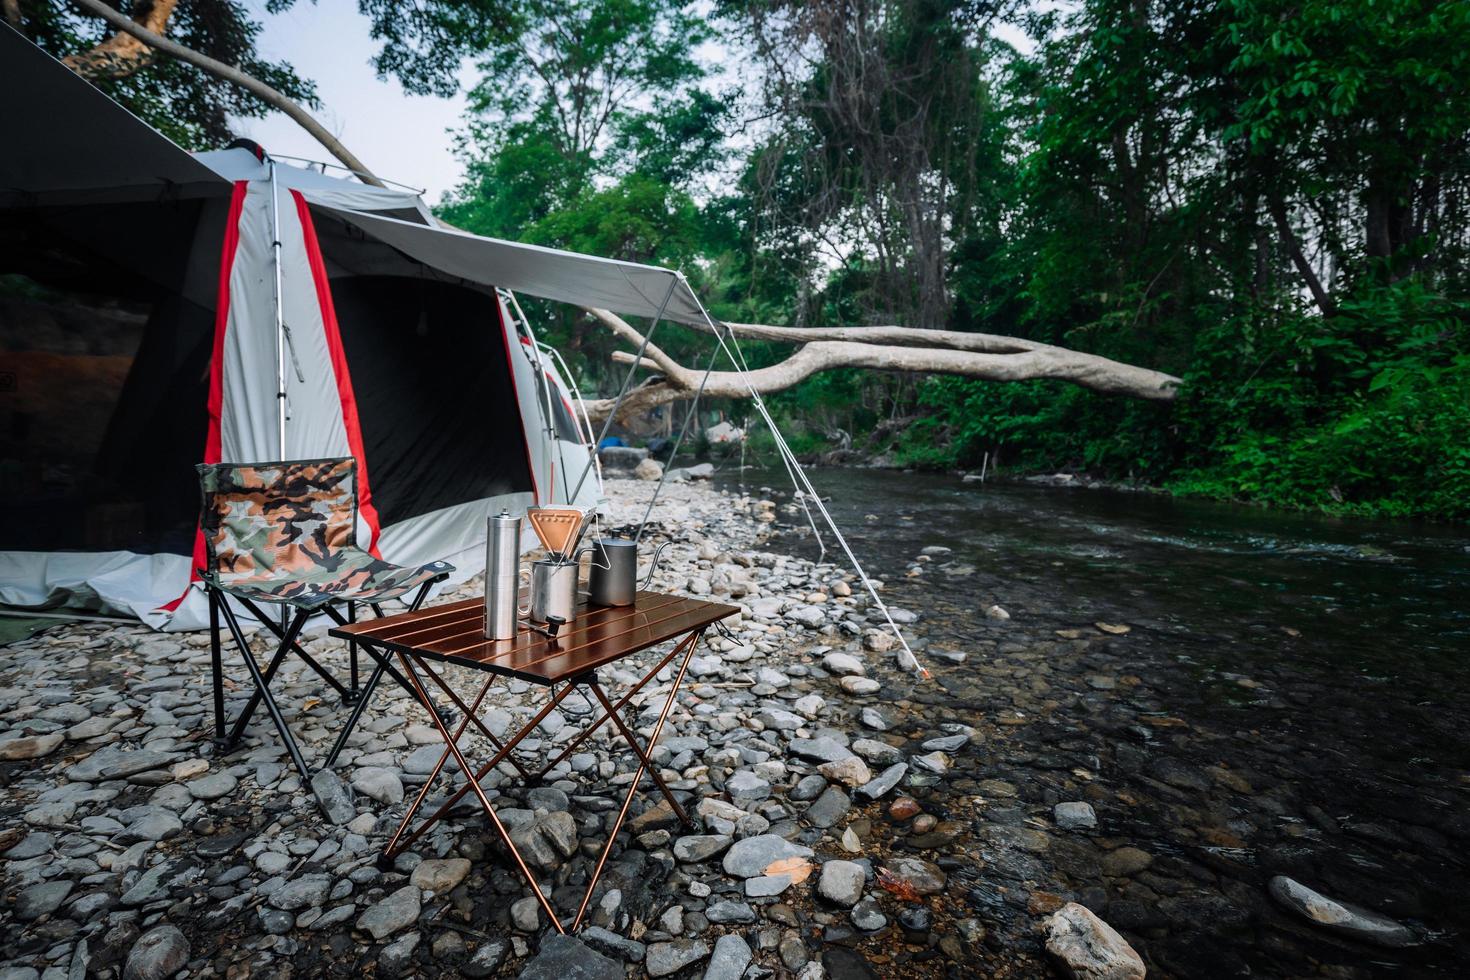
339, 368
511, 370
214, 405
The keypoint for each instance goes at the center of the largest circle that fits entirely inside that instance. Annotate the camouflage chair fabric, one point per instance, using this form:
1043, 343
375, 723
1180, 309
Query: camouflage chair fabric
286, 532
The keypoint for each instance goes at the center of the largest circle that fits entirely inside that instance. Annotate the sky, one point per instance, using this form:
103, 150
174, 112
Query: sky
404, 138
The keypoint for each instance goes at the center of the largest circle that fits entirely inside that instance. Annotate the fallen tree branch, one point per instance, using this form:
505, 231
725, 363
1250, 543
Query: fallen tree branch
1023, 361
250, 83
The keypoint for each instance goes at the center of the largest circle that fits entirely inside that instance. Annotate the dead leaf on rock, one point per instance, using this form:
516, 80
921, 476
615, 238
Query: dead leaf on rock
892, 883
795, 868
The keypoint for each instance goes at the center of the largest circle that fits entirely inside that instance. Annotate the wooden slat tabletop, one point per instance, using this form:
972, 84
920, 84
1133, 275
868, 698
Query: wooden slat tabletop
599, 635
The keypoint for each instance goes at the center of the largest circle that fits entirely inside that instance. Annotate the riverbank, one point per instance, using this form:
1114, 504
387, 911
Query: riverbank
134, 843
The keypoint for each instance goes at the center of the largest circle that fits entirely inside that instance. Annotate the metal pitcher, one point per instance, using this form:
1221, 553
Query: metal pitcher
612, 576
553, 590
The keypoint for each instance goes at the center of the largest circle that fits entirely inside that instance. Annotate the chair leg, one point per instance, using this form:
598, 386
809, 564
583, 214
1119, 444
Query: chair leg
217, 666
354, 694
297, 648
262, 686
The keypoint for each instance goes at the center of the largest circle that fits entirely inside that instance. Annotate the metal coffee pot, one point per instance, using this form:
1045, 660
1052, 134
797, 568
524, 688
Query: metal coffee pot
553, 590
612, 575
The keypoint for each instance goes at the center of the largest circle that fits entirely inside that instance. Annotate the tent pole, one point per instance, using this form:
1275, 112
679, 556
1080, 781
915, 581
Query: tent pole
280, 320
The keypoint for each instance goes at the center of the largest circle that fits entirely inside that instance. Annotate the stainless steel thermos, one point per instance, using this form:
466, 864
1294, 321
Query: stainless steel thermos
502, 575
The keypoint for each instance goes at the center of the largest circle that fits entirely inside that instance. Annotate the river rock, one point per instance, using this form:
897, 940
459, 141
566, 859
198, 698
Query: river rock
42, 899
308, 891
333, 797
700, 847
1074, 816
159, 953
829, 808
730, 958
851, 771
880, 784
1125, 861
30, 747
606, 941
730, 912
648, 469
440, 875
1085, 947
397, 911
111, 762
751, 857
922, 876
860, 685
211, 787
1340, 917
663, 959
843, 665
747, 786
824, 749
842, 882
378, 784
568, 958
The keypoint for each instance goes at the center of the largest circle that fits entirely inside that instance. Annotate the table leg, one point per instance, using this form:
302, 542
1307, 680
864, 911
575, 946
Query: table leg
693, 644
479, 791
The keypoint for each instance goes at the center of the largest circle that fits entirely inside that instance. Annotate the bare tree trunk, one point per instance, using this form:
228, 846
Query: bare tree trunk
1303, 267
229, 73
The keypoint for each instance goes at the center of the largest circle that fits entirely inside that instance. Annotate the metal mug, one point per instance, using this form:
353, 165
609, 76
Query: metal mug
553, 590
612, 576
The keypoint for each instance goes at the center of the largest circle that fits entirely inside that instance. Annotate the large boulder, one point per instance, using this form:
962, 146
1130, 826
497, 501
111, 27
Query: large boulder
1085, 947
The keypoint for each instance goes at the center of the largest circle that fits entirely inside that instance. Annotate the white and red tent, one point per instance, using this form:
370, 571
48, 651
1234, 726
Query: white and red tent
160, 308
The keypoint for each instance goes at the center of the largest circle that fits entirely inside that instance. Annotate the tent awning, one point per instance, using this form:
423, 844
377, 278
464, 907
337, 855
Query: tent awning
547, 273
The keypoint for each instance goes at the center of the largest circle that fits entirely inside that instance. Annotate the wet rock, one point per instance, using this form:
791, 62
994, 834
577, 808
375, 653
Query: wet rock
31, 845
486, 959
807, 788
829, 808
868, 915
398, 911
922, 876
745, 787
113, 762
727, 912
874, 719
749, 858
440, 875
1085, 947
886, 780
1125, 861
860, 686
842, 882
568, 958
851, 771
42, 899
841, 963
30, 747
730, 958
843, 665
1074, 816
903, 808
915, 921
663, 959
824, 749
395, 956
211, 787
1340, 917
934, 762
333, 796
159, 953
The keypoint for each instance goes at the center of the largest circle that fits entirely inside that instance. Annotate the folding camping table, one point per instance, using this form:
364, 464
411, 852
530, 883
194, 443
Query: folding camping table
596, 637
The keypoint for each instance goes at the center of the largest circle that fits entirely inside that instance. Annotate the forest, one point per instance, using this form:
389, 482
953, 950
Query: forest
1266, 199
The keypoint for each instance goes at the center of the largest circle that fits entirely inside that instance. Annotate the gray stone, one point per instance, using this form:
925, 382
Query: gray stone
333, 797
112, 762
1340, 917
157, 824
151, 885
700, 847
568, 958
880, 784
829, 808
1085, 947
393, 913
395, 955
874, 719
842, 882
727, 912
34, 844
934, 762
868, 916
808, 788
379, 784
525, 914
560, 830
843, 665
487, 958
824, 749
211, 787
308, 891
605, 941
947, 743
729, 959
42, 899
440, 875
159, 953
666, 958
749, 858
860, 685
1074, 816
922, 876
747, 786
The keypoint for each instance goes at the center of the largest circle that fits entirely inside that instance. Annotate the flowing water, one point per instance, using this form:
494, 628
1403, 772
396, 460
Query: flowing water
1328, 661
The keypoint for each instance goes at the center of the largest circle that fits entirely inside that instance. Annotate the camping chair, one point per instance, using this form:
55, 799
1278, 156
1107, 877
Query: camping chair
284, 534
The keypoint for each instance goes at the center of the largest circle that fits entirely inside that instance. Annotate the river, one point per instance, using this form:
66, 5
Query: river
1289, 698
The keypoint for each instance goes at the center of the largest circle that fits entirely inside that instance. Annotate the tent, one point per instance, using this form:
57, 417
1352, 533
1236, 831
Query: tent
161, 308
